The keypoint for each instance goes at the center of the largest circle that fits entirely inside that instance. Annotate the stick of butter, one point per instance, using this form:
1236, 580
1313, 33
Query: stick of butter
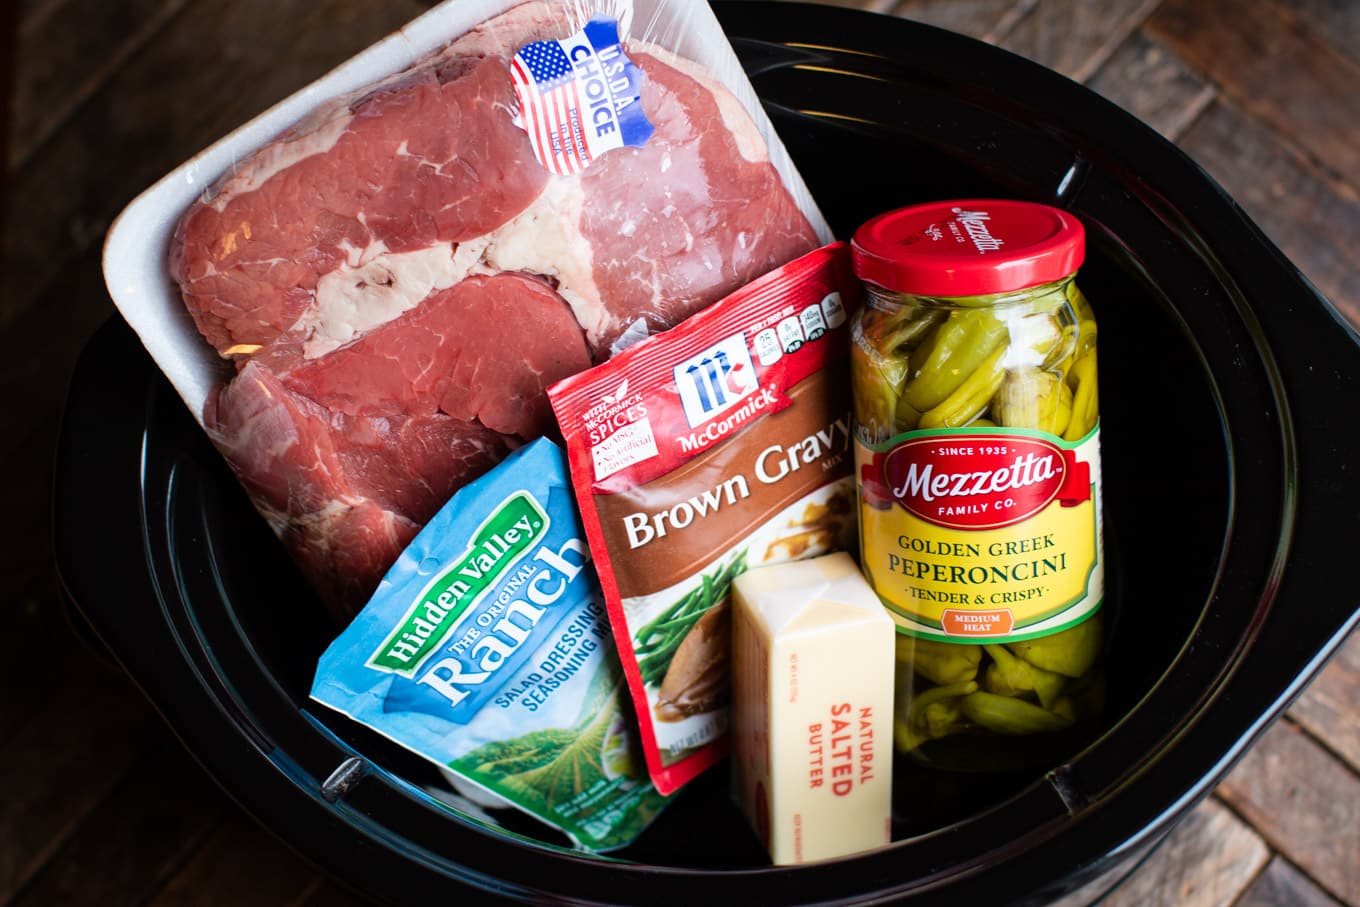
812, 696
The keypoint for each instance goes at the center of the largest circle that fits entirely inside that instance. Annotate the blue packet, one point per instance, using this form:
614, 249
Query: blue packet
487, 650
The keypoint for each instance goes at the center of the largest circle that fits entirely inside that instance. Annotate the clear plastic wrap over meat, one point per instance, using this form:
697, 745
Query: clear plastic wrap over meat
396, 278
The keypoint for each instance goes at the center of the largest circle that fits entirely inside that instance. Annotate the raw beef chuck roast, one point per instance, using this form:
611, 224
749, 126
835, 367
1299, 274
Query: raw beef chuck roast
398, 280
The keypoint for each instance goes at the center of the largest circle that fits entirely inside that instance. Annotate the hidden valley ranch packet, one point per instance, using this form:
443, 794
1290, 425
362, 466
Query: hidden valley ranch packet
487, 650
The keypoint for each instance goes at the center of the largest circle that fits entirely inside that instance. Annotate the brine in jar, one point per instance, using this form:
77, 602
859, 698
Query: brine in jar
978, 469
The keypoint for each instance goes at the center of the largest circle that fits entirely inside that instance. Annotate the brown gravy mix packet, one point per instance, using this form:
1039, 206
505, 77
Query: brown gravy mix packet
720, 445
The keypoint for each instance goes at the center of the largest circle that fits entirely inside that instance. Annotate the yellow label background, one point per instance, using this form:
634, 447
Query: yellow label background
1047, 571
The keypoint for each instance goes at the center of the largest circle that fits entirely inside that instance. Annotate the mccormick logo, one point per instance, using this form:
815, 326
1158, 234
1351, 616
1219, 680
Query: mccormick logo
716, 379
981, 481
508, 533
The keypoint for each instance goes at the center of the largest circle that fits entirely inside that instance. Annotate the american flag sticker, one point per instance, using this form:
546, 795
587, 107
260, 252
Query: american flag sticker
579, 97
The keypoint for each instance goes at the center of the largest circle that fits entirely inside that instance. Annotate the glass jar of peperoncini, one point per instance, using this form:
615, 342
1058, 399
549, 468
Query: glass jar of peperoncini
978, 468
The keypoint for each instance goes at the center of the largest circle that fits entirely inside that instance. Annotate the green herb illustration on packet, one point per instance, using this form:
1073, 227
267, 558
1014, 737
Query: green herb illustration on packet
487, 650
556, 770
657, 642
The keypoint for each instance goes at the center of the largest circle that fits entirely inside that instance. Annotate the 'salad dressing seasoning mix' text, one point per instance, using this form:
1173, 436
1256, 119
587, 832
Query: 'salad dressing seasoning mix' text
978, 464
719, 445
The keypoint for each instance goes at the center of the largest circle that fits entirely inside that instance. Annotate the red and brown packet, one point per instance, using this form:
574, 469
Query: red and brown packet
719, 445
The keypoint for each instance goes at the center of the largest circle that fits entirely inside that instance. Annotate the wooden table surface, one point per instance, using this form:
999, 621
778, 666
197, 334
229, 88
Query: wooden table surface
100, 804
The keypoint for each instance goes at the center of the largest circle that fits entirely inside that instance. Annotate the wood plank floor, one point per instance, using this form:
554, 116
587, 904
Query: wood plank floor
102, 805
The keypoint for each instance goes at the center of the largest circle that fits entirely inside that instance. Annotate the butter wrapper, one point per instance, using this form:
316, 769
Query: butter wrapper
812, 698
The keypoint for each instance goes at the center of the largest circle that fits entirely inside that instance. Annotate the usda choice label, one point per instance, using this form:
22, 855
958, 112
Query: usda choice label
992, 536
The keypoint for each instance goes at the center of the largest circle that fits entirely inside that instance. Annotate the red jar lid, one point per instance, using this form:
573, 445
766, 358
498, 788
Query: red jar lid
968, 247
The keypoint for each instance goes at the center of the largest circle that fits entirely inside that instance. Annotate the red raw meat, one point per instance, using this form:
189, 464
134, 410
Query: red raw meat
437, 358
399, 280
418, 163
345, 493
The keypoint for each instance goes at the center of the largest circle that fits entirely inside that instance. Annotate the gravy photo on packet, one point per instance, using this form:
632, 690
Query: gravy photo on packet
717, 446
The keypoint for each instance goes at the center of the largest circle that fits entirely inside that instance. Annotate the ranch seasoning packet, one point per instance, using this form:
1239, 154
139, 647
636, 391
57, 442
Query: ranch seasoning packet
487, 650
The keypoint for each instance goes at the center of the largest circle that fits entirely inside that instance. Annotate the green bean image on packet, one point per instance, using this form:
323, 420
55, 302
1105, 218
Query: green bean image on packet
487, 650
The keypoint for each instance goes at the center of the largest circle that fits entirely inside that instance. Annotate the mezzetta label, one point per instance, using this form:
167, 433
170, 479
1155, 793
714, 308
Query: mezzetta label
980, 481
986, 535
